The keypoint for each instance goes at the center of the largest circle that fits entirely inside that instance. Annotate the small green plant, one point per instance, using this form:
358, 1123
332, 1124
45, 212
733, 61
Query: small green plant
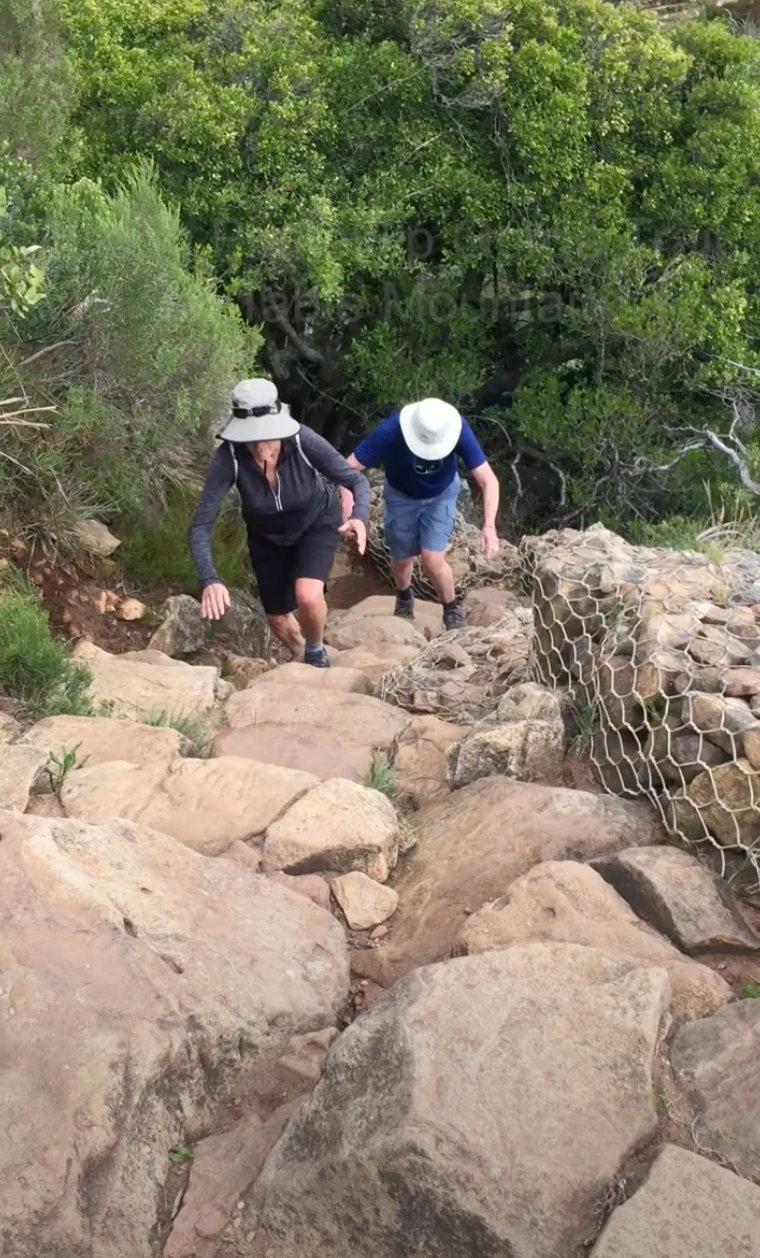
36, 669
180, 1154
583, 725
382, 777
190, 725
59, 767
750, 992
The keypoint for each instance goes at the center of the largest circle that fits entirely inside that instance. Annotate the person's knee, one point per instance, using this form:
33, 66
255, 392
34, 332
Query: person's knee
433, 561
278, 623
310, 596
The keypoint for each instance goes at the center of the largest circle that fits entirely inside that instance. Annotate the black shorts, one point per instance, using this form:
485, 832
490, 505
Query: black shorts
277, 568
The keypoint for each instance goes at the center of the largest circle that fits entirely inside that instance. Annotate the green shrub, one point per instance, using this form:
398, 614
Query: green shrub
35, 668
133, 348
155, 548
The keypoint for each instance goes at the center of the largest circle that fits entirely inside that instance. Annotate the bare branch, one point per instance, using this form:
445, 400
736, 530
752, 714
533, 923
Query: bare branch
306, 351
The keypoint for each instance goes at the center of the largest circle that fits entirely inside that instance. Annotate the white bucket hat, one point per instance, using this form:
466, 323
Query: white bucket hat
258, 414
431, 428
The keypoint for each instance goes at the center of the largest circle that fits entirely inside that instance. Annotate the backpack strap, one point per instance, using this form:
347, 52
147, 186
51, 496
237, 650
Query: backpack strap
233, 456
303, 455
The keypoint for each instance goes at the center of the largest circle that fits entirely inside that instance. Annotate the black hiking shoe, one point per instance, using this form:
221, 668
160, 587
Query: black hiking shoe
316, 656
404, 606
453, 618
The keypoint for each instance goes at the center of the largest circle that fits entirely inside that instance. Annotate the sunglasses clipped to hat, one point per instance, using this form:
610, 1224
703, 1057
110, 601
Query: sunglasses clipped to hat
257, 414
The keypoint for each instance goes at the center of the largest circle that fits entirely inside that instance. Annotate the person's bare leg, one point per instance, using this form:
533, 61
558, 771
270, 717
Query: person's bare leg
287, 629
312, 609
437, 569
402, 573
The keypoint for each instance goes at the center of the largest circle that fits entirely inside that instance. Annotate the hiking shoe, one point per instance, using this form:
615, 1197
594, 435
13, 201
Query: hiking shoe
453, 618
404, 607
316, 656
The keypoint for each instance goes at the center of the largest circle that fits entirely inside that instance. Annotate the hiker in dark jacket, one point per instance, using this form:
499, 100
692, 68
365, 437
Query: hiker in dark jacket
292, 516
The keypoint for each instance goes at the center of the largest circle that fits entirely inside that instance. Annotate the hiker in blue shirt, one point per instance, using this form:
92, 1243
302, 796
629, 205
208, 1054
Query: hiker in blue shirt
418, 448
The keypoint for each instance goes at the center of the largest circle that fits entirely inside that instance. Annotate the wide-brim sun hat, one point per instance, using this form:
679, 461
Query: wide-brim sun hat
258, 414
431, 428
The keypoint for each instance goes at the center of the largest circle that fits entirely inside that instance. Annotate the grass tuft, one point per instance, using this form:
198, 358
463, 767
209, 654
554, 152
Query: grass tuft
35, 668
192, 726
382, 776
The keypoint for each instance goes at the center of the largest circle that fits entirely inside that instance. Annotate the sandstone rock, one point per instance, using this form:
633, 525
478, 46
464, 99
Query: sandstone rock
312, 886
134, 972
243, 670
679, 754
10, 728
19, 767
428, 616
530, 751
244, 626
688, 1208
722, 720
99, 739
223, 1169
723, 802
183, 631
715, 1060
679, 897
311, 749
131, 609
373, 661
344, 680
474, 845
134, 685
365, 903
565, 902
376, 723
206, 804
371, 631
742, 682
487, 605
751, 746
96, 538
340, 826
529, 702
428, 1131
420, 765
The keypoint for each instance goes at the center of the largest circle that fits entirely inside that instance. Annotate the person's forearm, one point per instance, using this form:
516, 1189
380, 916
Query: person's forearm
490, 491
217, 483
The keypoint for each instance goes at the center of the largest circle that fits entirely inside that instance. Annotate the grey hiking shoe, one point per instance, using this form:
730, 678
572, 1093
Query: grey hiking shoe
316, 656
453, 618
404, 607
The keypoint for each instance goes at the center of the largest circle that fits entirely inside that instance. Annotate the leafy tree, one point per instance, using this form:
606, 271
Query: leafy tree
545, 209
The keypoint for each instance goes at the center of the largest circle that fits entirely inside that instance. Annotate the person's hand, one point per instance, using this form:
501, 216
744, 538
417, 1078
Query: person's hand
359, 530
490, 543
215, 600
347, 504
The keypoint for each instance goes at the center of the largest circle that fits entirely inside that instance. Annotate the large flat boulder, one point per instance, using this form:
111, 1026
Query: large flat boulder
339, 826
345, 680
688, 1208
133, 685
370, 721
206, 804
99, 739
474, 845
351, 632
374, 661
428, 616
677, 895
296, 747
716, 1061
481, 1108
566, 902
137, 977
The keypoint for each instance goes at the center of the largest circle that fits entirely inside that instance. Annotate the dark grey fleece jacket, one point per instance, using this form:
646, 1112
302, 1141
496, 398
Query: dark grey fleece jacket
281, 515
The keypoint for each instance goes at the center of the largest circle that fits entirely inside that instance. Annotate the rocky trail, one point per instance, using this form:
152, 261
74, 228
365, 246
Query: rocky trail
364, 962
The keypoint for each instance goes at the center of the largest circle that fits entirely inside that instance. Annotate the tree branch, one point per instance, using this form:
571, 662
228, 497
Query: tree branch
306, 351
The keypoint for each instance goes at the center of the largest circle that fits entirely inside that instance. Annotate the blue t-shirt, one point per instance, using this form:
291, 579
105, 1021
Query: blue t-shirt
410, 475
